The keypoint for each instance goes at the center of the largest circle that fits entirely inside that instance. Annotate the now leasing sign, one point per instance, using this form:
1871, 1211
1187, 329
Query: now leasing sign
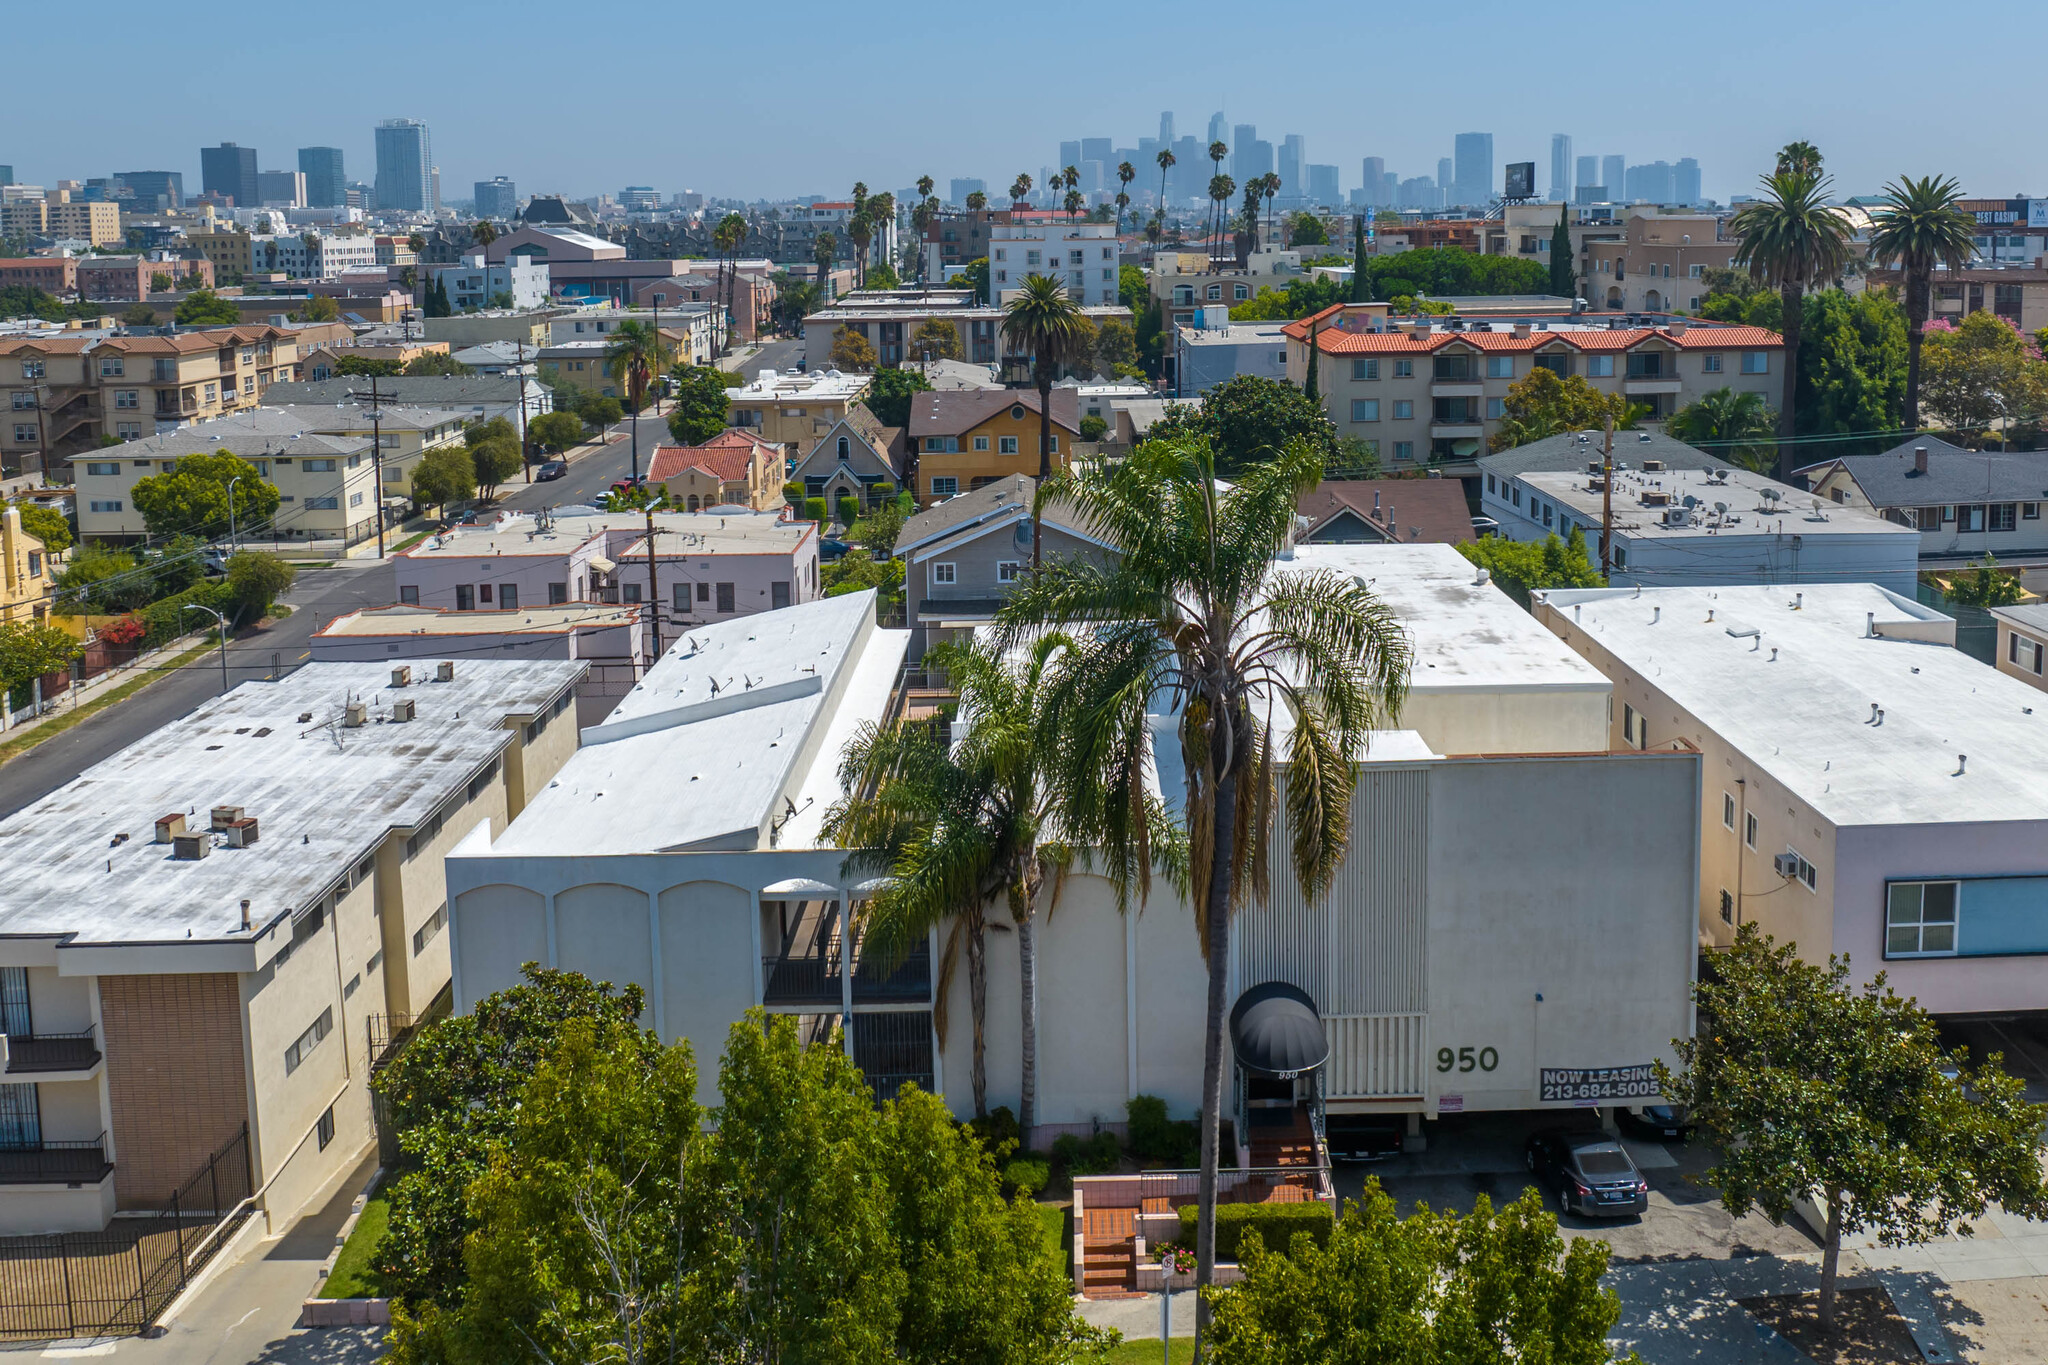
1599, 1083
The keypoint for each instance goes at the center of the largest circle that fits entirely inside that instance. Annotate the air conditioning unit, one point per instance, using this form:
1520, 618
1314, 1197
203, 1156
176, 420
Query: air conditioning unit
242, 833
401, 676
170, 827
1786, 864
402, 710
352, 715
444, 671
187, 848
223, 816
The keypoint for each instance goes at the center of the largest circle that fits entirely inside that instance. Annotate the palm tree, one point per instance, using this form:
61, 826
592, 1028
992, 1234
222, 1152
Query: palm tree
1073, 204
1221, 187
861, 229
1272, 196
1020, 193
1217, 151
1739, 425
483, 233
635, 354
1167, 160
1125, 174
1042, 322
921, 219
1918, 227
976, 201
729, 236
1194, 617
1072, 176
1791, 239
824, 250
1799, 156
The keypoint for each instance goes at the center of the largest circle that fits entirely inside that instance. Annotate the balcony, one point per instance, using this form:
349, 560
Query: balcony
910, 981
1650, 384
56, 1163
1457, 388
45, 1056
811, 978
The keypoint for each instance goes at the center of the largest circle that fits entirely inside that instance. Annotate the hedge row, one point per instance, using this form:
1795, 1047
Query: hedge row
1276, 1225
165, 620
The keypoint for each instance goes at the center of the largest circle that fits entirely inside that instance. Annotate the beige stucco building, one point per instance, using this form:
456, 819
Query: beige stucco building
25, 571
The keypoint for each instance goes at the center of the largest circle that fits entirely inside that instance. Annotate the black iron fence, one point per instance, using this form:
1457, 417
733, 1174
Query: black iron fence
118, 1281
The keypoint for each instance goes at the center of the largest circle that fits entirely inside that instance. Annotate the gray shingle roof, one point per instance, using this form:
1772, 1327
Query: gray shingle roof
432, 391
1564, 454
1953, 474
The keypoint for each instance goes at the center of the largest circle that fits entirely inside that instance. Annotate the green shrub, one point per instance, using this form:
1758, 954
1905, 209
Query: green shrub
1275, 1224
849, 509
167, 619
1092, 428
814, 510
998, 1130
1087, 1156
1155, 1137
1027, 1175
793, 494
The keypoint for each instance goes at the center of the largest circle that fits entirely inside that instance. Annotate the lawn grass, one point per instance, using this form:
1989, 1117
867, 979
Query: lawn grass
1052, 1221
410, 541
21, 744
354, 1277
1146, 1352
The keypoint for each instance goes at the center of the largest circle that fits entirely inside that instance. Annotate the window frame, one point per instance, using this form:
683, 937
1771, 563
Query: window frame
1920, 924
945, 573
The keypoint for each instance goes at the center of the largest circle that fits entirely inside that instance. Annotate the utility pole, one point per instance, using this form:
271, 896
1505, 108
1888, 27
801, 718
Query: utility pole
377, 456
525, 445
653, 591
1607, 501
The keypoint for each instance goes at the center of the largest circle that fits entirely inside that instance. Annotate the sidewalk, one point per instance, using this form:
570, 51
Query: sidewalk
79, 693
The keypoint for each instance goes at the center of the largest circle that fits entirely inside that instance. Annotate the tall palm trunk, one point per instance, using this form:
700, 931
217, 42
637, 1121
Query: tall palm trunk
977, 1006
1044, 378
1919, 283
1023, 905
1794, 297
1223, 851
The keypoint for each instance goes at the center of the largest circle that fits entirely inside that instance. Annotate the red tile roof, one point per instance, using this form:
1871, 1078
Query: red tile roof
724, 457
1336, 341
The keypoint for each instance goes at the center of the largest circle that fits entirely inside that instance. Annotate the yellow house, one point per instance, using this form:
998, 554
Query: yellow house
732, 468
967, 439
24, 571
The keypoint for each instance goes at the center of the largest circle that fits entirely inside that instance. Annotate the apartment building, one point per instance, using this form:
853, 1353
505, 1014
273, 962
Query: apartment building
322, 461
2016, 292
475, 397
26, 573
1185, 282
732, 469
967, 439
64, 393
890, 320
1434, 390
97, 222
959, 237
2023, 642
136, 277
1658, 264
794, 408
51, 274
1870, 790
1965, 503
227, 247
478, 284
299, 891
751, 291
1083, 257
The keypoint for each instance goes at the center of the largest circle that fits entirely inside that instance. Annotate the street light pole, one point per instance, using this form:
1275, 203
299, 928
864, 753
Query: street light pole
195, 606
231, 512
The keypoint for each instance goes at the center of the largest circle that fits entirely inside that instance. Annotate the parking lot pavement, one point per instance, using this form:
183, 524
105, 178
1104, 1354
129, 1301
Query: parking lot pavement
1474, 1154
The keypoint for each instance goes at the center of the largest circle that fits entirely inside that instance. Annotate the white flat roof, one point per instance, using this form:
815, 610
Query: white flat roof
82, 862
1464, 633
407, 619
698, 754
1748, 513
1796, 697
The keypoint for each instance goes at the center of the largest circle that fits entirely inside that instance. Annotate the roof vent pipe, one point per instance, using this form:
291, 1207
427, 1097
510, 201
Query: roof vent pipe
1962, 762
1577, 607
1799, 601
1482, 577
1774, 654
1656, 615
1869, 625
1880, 715
245, 916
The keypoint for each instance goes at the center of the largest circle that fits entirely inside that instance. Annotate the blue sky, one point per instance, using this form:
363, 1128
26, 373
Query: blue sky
808, 97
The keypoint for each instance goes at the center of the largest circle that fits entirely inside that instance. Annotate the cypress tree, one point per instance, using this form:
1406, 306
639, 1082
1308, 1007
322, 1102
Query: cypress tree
1360, 286
1310, 389
1562, 278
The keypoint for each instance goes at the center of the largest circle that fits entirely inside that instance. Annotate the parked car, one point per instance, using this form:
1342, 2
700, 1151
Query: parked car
629, 483
552, 469
1363, 1137
829, 550
1659, 1122
1591, 1173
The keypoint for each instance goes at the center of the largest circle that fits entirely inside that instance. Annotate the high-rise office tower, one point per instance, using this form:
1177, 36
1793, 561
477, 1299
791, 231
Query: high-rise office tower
287, 188
1293, 161
1445, 177
1686, 181
1189, 178
496, 198
326, 183
1653, 183
231, 171
1373, 181
1587, 174
1099, 149
1560, 166
1242, 136
153, 189
1473, 178
1219, 127
6, 175
1322, 185
1166, 127
1612, 174
958, 190
405, 165
1070, 155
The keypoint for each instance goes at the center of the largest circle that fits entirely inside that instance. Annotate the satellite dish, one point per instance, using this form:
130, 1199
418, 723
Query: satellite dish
1722, 508
1816, 504
1689, 502
1021, 534
1721, 474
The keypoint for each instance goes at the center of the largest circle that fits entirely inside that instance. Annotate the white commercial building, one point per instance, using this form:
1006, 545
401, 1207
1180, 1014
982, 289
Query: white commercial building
478, 284
1216, 350
1081, 256
1675, 526
195, 931
1869, 790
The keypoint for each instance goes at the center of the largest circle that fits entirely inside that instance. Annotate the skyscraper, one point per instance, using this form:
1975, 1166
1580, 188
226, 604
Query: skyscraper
958, 190
1070, 155
1099, 149
1166, 127
1293, 160
1612, 175
404, 165
1560, 166
1653, 183
1686, 175
152, 189
1242, 136
1445, 178
1219, 128
1588, 173
1473, 179
286, 188
1373, 181
1322, 185
496, 198
326, 184
231, 171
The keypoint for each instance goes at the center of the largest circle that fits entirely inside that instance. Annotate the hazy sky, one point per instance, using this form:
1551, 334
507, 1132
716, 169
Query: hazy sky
806, 97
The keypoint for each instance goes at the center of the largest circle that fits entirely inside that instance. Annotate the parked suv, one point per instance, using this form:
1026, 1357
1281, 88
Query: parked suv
1590, 1172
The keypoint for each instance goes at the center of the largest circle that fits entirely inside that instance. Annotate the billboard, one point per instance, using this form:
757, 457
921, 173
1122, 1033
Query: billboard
2037, 213
1521, 180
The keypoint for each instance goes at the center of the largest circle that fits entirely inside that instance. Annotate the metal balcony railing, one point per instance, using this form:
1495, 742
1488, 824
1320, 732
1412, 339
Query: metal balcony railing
808, 979
33, 1053
910, 981
50, 1163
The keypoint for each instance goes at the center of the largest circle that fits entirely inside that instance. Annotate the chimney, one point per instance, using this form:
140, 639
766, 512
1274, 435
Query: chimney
169, 827
1919, 459
1522, 330
1676, 328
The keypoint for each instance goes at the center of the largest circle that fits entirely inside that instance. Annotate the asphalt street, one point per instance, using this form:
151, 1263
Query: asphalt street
317, 598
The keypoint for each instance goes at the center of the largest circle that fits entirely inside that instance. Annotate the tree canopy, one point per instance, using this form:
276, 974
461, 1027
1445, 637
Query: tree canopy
366, 366
1305, 295
1523, 566
1541, 404
697, 403
444, 474
937, 338
46, 524
29, 649
1982, 374
852, 352
888, 396
1247, 419
494, 453
1452, 270
556, 431
203, 307
192, 499
1305, 229
435, 363
256, 580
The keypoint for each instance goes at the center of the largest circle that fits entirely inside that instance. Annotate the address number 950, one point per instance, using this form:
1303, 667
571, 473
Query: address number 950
1465, 1059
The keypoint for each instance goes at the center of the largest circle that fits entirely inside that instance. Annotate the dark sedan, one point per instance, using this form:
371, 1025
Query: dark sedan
1658, 1122
1590, 1172
553, 469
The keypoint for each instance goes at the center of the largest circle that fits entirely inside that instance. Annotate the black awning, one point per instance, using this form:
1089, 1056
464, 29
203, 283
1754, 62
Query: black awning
1275, 1031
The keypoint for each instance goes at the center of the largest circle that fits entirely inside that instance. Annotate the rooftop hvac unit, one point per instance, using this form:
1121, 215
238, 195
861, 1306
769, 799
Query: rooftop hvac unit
190, 848
1786, 864
1656, 498
1678, 516
242, 833
402, 710
1653, 466
169, 827
401, 676
444, 671
223, 816
352, 716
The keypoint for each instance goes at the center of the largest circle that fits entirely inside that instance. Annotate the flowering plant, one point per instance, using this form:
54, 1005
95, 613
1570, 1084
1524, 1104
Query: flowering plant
1178, 1260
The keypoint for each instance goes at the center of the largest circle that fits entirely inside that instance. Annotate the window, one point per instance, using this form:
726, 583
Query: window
103, 467
465, 597
1404, 410
31, 369
1727, 907
703, 592
725, 598
558, 593
1491, 486
1183, 293
1558, 363
1500, 367
212, 392
629, 593
1646, 365
2005, 516
1215, 293
431, 930
1006, 571
1034, 258
1495, 409
324, 504
324, 1130
2030, 511
127, 398
1728, 810
981, 443
1365, 409
1749, 830
2024, 653
110, 366
1803, 871
944, 485
1239, 291
1600, 366
1712, 363
302, 1046
25, 432
1006, 445
106, 505
318, 466
508, 597
1920, 919
1970, 516
1452, 367
1756, 362
128, 431
1404, 369
409, 593
1363, 368
945, 573
682, 597
1404, 450
1053, 445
